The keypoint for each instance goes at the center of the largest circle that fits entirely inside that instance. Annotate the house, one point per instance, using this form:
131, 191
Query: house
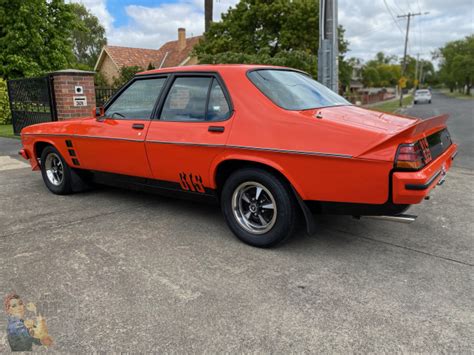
171, 54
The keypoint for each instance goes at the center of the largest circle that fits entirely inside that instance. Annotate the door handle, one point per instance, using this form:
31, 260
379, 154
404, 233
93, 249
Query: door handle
138, 126
217, 129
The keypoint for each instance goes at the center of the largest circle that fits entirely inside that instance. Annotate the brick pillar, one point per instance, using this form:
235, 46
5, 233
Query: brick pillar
74, 93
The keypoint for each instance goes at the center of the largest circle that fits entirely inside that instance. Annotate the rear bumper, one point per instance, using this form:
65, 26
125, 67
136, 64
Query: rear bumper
413, 187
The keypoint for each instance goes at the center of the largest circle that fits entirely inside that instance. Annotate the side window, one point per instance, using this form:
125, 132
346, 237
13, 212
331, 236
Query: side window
186, 100
137, 101
218, 108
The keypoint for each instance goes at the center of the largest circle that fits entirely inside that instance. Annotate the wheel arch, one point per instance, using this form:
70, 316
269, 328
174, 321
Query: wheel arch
222, 169
40, 145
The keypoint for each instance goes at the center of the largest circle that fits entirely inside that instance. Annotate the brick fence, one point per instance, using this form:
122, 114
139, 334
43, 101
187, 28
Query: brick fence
74, 93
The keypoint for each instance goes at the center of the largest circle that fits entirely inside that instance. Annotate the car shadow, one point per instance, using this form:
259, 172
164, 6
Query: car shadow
328, 230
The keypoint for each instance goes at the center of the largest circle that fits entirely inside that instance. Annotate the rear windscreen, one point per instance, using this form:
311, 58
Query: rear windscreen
294, 90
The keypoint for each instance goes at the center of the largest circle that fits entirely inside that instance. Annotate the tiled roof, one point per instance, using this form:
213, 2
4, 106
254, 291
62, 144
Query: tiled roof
169, 52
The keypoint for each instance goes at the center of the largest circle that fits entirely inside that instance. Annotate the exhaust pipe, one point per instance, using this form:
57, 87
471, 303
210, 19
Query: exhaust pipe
400, 218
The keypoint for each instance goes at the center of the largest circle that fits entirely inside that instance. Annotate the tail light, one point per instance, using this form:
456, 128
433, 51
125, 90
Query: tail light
413, 156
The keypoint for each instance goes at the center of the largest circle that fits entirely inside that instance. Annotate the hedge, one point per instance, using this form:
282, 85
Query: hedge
5, 114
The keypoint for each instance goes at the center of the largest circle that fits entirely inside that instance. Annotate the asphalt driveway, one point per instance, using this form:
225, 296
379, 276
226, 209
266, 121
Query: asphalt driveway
113, 270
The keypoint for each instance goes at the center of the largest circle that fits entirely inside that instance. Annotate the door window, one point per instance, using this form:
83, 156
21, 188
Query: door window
195, 99
137, 101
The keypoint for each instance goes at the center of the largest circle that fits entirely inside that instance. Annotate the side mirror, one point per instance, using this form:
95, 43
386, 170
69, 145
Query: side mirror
98, 112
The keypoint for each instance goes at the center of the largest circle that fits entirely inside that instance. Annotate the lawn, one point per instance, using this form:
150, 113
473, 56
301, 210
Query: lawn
7, 131
458, 95
392, 106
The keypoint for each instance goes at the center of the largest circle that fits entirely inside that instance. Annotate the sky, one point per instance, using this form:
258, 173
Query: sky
371, 25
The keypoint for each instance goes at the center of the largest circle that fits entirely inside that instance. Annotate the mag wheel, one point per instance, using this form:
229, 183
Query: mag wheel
56, 173
258, 207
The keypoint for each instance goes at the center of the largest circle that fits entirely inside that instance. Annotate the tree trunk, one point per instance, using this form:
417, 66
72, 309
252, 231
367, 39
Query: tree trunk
208, 11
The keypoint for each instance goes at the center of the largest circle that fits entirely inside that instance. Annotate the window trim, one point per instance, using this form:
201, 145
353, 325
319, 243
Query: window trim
290, 70
119, 92
213, 75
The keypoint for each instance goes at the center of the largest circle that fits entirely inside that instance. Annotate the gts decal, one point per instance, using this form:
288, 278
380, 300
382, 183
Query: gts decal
191, 182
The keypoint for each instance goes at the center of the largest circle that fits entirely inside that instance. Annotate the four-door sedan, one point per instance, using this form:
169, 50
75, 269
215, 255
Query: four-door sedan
422, 96
266, 142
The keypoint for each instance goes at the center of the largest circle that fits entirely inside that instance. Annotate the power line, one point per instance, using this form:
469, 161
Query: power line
393, 16
404, 66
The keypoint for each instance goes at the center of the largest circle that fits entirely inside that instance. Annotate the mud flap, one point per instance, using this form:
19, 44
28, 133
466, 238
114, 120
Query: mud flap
79, 183
308, 216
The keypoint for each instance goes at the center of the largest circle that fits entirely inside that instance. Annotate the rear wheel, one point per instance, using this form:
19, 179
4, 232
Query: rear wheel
259, 207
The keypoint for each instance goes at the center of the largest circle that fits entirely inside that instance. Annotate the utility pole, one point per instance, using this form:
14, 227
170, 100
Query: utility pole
416, 70
328, 53
404, 65
208, 11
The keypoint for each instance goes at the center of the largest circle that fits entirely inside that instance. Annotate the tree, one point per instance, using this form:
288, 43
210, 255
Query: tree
126, 74
370, 76
267, 32
457, 64
34, 37
88, 36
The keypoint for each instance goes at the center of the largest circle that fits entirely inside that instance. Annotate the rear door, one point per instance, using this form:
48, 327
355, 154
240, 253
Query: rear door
116, 142
191, 129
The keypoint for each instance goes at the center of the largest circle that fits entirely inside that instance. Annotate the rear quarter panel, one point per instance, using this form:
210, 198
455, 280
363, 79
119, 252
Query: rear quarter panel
305, 150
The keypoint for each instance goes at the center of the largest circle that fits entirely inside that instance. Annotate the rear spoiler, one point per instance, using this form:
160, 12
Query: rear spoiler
421, 128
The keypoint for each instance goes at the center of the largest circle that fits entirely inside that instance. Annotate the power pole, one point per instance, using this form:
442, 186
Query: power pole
416, 70
328, 53
208, 11
404, 65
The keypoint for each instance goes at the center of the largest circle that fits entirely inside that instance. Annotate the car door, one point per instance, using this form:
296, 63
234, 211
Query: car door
115, 143
191, 129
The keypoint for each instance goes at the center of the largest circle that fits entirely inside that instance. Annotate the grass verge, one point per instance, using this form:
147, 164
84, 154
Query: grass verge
458, 95
6, 130
392, 106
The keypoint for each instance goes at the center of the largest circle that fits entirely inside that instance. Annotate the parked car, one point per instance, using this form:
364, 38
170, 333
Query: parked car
266, 142
422, 96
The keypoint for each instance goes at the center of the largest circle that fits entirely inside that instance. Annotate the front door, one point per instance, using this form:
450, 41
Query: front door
191, 130
115, 142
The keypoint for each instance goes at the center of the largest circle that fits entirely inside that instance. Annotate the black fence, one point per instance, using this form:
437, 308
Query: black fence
31, 102
102, 95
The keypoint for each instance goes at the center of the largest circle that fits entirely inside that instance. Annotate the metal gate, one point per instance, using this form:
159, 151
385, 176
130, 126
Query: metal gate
31, 102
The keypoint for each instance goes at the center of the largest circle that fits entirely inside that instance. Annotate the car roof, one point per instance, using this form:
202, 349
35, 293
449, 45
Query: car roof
212, 68
423, 90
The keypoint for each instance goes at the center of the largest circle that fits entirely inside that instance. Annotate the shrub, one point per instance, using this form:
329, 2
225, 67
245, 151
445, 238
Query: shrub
5, 114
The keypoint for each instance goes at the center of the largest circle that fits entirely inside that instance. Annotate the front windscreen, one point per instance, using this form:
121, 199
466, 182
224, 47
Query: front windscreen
293, 90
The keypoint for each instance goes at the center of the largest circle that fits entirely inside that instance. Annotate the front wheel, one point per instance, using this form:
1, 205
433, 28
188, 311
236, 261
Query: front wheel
55, 171
259, 207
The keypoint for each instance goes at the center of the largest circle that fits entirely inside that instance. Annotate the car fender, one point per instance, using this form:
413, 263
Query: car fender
46, 140
226, 156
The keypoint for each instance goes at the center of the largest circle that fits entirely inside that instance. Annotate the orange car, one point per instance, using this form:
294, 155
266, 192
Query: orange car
266, 142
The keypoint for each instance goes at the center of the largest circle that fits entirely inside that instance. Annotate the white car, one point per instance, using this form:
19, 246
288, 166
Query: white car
422, 96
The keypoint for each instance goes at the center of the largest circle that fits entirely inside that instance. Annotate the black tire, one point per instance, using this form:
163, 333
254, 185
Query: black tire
415, 102
65, 185
281, 193
429, 101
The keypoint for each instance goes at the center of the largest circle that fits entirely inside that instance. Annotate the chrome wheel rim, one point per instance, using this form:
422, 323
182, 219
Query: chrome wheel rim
254, 207
54, 169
